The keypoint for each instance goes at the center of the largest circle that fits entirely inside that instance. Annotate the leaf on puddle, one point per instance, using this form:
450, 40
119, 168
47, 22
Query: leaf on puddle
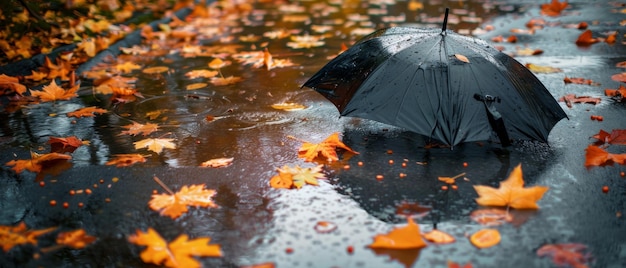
324, 227
196, 86
618, 94
620, 77
201, 74
485, 238
439, 237
218, 162
12, 236
596, 156
175, 205
224, 81
86, 112
491, 216
327, 149
54, 92
76, 239
405, 237
127, 67
451, 180
37, 162
288, 106
617, 136
125, 160
554, 8
178, 253
64, 144
511, 193
579, 81
566, 254
296, 177
155, 70
155, 144
11, 84
135, 129
542, 69
570, 99
586, 39
528, 52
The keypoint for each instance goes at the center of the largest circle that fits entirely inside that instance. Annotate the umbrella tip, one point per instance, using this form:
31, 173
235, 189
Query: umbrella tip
445, 22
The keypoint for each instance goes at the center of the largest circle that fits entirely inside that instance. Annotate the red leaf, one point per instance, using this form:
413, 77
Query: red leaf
617, 136
596, 156
63, 145
569, 99
586, 39
566, 254
620, 77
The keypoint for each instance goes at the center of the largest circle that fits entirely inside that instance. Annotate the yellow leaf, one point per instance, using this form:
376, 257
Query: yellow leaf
156, 145
53, 92
511, 193
288, 106
11, 236
542, 69
76, 239
327, 148
174, 205
178, 253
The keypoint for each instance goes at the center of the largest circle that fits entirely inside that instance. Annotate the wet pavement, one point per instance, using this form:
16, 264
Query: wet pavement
255, 223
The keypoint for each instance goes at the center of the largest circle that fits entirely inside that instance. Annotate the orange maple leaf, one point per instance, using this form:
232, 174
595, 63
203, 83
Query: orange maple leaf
406, 237
327, 148
511, 193
125, 160
224, 81
554, 8
76, 239
177, 253
619, 93
64, 144
37, 161
586, 38
11, 236
137, 128
617, 136
87, 112
175, 204
53, 92
596, 156
11, 84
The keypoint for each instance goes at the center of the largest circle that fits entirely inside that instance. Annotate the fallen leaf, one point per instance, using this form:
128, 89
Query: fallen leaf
569, 99
218, 162
155, 144
86, 112
596, 156
324, 227
260, 265
127, 67
155, 70
76, 239
618, 94
439, 237
451, 180
620, 77
53, 92
289, 177
177, 253
305, 41
617, 136
406, 237
554, 8
125, 160
485, 238
288, 106
12, 236
10, 84
566, 254
224, 81
201, 74
64, 145
137, 128
174, 205
621, 64
37, 162
580, 81
218, 63
511, 193
542, 69
327, 148
461, 58
586, 39
196, 86
491, 216
452, 264
528, 52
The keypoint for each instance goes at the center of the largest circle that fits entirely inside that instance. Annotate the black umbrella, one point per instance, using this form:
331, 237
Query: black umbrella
440, 84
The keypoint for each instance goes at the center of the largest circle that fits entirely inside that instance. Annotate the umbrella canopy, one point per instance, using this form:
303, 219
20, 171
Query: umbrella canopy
440, 84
